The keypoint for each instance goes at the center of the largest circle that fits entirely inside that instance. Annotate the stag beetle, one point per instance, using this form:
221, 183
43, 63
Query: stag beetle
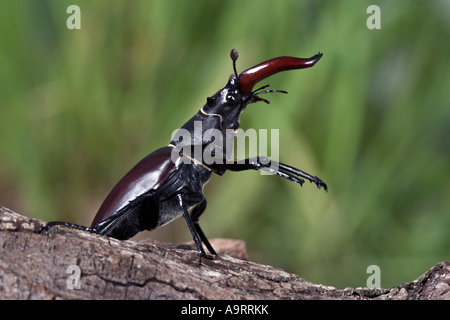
169, 182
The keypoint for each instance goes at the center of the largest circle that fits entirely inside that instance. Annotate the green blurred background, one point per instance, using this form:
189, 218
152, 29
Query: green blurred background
80, 107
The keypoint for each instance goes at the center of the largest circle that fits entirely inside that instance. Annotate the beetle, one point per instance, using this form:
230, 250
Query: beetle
168, 183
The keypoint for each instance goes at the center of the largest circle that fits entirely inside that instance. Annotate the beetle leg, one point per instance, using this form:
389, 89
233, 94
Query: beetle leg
195, 215
191, 226
204, 238
278, 168
316, 180
49, 225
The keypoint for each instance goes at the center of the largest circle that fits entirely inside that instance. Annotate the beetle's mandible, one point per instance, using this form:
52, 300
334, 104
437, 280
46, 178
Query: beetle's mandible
162, 187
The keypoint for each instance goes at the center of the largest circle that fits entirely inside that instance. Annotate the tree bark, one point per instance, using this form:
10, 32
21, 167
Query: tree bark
72, 264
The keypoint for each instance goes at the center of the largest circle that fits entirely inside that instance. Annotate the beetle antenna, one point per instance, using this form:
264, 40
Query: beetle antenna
255, 92
234, 56
258, 91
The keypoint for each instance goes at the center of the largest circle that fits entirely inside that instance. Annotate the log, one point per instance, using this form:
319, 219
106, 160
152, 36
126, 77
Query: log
73, 264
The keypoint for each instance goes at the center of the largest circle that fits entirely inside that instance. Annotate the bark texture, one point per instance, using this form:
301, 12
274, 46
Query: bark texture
72, 264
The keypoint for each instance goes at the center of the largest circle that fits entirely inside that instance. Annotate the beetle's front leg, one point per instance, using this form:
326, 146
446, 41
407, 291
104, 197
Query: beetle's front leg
278, 168
314, 179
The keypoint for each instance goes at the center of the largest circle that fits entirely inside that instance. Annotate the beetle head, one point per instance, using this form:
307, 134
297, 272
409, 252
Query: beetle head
229, 102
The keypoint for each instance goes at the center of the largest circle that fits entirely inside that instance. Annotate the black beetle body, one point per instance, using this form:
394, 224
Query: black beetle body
169, 182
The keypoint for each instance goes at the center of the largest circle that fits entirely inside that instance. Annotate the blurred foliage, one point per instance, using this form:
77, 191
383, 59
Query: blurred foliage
80, 107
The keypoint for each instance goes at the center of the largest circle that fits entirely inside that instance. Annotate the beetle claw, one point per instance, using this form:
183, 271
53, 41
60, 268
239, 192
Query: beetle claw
207, 256
319, 184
